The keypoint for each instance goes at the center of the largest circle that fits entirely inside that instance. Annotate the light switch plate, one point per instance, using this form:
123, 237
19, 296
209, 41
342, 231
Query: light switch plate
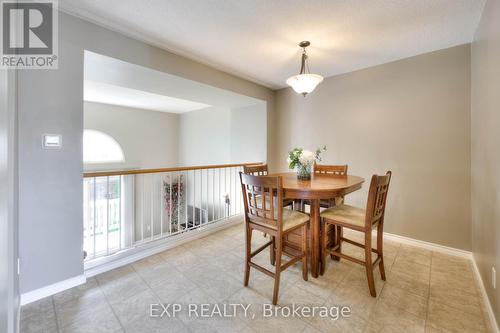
493, 278
52, 141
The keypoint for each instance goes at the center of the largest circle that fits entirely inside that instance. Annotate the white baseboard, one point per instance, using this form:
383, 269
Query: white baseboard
489, 309
429, 246
52, 289
129, 256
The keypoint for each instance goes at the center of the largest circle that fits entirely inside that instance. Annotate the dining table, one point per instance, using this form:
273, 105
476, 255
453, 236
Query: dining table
319, 187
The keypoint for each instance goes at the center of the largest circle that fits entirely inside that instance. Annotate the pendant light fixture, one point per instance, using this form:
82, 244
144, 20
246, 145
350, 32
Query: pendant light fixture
304, 82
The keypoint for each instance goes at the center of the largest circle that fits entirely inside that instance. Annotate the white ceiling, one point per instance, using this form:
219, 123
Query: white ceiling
110, 94
256, 39
113, 81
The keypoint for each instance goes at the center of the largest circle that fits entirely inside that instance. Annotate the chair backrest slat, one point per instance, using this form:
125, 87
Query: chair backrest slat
263, 199
336, 170
377, 198
256, 170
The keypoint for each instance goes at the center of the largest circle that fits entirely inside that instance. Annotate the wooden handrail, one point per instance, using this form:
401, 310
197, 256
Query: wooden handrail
143, 171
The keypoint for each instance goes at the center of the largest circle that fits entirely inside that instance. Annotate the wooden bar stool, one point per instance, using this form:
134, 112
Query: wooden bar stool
268, 216
334, 170
262, 170
363, 221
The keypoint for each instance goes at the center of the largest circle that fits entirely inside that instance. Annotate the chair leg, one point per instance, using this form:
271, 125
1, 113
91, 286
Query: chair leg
338, 240
380, 250
304, 252
272, 251
323, 253
248, 251
279, 247
296, 204
368, 263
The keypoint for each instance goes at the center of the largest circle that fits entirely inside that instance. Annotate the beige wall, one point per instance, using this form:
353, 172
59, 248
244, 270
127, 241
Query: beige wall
485, 126
412, 117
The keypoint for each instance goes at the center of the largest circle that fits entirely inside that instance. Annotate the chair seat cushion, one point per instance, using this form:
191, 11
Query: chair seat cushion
346, 214
293, 218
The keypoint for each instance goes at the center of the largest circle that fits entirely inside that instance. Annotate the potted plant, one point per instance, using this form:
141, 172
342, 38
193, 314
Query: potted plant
302, 161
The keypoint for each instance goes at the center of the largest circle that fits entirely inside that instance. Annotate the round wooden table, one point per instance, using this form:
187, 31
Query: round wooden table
319, 187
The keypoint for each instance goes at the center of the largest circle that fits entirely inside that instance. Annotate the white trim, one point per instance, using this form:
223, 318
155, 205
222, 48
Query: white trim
37, 294
126, 257
489, 309
429, 246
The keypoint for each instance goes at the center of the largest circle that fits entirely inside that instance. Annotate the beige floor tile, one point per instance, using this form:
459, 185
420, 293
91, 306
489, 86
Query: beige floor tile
217, 325
136, 307
445, 259
443, 317
157, 274
236, 271
156, 325
264, 285
196, 296
413, 254
82, 307
359, 300
186, 261
451, 265
409, 283
221, 288
147, 262
336, 271
456, 298
405, 300
419, 285
248, 296
274, 324
357, 279
39, 317
388, 318
123, 288
295, 295
204, 272
446, 280
226, 260
45, 304
86, 289
320, 288
172, 253
421, 272
310, 329
116, 274
174, 287
102, 321
390, 248
352, 324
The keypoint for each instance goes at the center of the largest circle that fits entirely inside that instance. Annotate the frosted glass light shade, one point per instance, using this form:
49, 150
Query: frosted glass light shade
304, 83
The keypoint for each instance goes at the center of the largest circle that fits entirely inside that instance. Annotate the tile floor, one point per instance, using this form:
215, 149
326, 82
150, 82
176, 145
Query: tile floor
424, 292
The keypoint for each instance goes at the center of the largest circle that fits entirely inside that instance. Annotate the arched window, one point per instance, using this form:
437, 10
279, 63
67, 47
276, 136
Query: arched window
98, 147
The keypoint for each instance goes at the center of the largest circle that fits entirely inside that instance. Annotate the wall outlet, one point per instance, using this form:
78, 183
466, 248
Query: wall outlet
493, 277
18, 266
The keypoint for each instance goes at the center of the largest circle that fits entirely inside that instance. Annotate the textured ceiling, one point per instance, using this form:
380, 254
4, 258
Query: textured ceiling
256, 39
112, 81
